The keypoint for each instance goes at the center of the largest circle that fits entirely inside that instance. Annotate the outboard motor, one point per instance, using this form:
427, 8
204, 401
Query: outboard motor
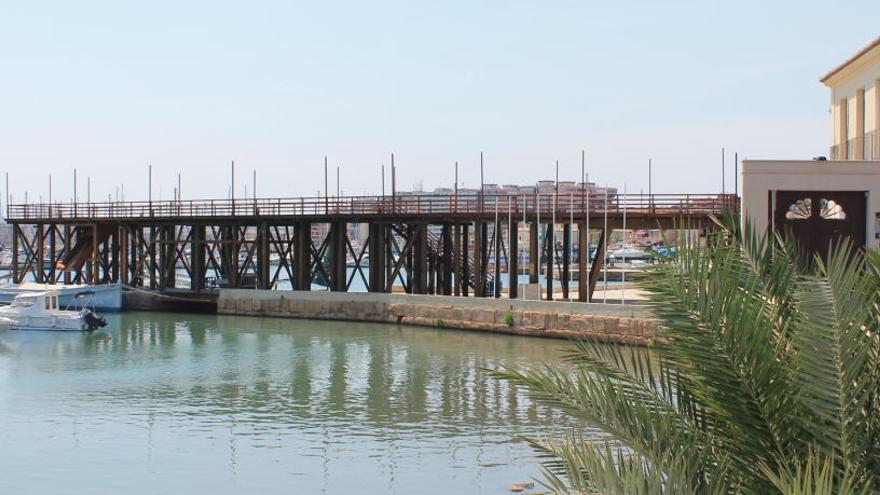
94, 321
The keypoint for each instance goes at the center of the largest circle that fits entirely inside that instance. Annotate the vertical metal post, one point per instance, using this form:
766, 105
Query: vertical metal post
736, 168
393, 184
605, 237
455, 208
482, 185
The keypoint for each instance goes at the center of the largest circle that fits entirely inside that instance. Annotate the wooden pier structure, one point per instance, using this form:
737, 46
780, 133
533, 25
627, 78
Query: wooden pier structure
418, 243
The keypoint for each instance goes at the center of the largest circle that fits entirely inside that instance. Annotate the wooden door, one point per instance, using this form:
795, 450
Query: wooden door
819, 219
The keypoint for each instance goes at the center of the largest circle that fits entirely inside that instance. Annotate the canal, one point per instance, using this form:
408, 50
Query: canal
182, 403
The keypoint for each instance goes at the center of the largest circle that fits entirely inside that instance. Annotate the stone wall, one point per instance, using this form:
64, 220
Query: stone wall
627, 324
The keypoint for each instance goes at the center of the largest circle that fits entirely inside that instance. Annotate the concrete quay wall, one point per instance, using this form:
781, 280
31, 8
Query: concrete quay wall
631, 324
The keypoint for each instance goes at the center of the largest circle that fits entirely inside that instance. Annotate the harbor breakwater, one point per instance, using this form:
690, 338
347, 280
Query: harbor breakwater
630, 324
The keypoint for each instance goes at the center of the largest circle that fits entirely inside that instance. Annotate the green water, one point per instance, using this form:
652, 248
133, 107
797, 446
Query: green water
176, 403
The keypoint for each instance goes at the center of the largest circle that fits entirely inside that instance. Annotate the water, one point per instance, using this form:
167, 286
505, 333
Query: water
216, 404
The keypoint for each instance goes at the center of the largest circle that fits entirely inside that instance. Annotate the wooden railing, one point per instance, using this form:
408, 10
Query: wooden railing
531, 204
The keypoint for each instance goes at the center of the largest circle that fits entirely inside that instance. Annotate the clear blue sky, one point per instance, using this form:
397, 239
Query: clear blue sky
109, 87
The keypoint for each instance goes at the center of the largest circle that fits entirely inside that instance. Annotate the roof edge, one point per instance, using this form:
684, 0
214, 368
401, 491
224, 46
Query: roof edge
870, 46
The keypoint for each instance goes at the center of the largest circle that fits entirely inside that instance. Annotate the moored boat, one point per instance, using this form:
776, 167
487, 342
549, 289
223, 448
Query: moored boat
104, 297
41, 311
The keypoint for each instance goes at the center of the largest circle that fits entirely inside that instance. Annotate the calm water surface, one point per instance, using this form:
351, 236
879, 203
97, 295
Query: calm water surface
179, 403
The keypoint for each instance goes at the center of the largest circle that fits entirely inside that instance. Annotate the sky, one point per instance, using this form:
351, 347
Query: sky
110, 88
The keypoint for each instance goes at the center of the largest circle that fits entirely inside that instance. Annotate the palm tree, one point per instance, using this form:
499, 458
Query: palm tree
767, 379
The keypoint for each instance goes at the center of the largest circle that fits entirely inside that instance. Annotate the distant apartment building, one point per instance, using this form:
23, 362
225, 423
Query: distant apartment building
855, 105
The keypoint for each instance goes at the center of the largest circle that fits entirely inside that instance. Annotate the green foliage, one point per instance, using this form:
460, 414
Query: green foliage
508, 318
767, 379
438, 323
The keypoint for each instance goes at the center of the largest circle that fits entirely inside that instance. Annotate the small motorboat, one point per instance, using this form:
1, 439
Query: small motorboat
40, 311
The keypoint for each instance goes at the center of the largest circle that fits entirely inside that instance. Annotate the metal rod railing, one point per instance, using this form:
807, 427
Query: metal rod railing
416, 204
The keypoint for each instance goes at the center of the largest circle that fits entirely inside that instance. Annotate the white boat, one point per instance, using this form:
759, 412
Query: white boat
40, 311
104, 297
630, 253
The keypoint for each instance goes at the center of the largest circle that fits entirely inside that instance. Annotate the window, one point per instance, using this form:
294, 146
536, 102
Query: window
800, 210
830, 210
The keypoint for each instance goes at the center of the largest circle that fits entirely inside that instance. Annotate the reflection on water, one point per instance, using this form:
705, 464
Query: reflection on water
200, 403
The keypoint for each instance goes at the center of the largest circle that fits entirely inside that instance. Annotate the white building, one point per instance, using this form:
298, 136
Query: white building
822, 201
855, 105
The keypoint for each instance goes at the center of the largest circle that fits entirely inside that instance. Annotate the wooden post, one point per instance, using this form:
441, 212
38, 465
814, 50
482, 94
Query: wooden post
534, 255
456, 259
302, 256
114, 254
550, 248
599, 260
93, 262
566, 258
446, 261
163, 261
338, 280
262, 240
480, 257
465, 263
583, 260
38, 261
513, 260
376, 248
16, 275
420, 259
197, 257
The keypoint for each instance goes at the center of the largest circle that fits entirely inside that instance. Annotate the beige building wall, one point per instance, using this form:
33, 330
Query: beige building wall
855, 105
760, 177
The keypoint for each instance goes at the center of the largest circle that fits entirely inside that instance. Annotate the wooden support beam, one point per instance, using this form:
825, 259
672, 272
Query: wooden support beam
53, 255
446, 260
337, 256
534, 254
456, 259
302, 258
496, 276
550, 252
197, 257
481, 257
599, 260
583, 261
376, 247
263, 252
40, 271
566, 259
513, 261
163, 258
16, 274
68, 246
123, 252
419, 265
465, 274
93, 262
114, 254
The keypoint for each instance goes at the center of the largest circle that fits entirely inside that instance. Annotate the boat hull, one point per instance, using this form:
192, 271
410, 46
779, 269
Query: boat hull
51, 323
